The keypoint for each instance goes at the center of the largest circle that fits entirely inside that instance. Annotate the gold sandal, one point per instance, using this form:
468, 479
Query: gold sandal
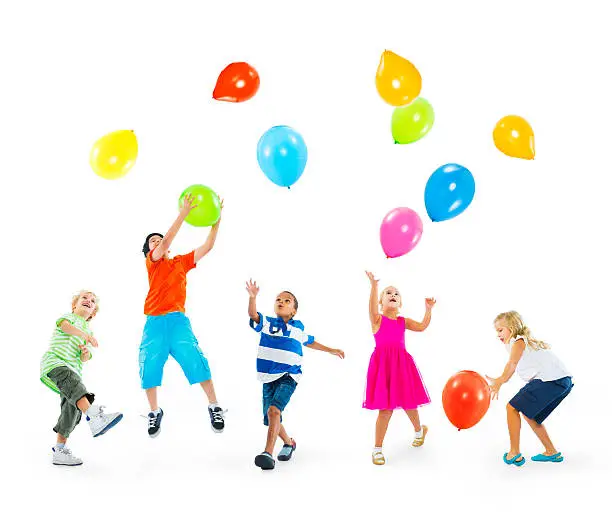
418, 442
378, 458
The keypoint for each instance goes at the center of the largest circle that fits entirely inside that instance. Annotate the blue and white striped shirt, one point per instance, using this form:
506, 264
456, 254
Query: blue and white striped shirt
280, 347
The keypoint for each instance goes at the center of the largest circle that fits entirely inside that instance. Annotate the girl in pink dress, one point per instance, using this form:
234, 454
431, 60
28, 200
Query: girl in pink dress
394, 381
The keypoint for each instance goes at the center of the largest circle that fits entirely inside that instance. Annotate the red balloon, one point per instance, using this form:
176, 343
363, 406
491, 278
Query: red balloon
236, 83
466, 398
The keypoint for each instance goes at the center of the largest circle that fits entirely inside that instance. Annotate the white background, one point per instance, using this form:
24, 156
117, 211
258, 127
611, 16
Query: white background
535, 239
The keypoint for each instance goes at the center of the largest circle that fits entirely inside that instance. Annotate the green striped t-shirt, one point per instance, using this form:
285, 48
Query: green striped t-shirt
64, 349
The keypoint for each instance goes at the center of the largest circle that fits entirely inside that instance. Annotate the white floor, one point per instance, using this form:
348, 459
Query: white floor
189, 473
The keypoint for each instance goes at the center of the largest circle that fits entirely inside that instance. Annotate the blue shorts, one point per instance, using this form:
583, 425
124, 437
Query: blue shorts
277, 393
166, 335
537, 399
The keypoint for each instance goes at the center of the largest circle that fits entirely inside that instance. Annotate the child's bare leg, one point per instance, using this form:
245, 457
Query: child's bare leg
382, 422
61, 439
152, 397
83, 405
209, 389
414, 418
540, 431
514, 429
284, 436
274, 426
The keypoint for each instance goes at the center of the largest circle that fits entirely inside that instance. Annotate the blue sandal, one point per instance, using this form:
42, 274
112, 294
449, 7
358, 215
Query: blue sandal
515, 460
555, 458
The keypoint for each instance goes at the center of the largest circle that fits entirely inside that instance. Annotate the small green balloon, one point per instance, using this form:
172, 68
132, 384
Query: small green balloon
411, 123
208, 208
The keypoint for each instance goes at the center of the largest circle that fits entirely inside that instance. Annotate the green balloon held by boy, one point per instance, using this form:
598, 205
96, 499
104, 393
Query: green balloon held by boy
208, 209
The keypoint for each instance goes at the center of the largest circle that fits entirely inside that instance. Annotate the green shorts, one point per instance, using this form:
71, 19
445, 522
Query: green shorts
71, 390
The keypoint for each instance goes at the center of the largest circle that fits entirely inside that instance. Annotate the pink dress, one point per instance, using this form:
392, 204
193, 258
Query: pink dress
394, 381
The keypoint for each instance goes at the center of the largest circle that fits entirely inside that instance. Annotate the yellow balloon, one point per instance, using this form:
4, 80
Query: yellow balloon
398, 82
514, 137
113, 155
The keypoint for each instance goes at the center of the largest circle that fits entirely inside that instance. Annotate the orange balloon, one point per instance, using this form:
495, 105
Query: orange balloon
466, 398
237, 82
398, 82
514, 137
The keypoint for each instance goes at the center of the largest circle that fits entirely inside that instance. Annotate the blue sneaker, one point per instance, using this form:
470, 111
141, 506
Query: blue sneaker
155, 423
287, 451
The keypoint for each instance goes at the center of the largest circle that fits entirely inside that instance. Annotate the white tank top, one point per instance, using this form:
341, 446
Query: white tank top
538, 363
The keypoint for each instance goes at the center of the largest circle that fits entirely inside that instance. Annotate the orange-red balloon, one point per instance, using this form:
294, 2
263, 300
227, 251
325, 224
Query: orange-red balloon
466, 399
237, 82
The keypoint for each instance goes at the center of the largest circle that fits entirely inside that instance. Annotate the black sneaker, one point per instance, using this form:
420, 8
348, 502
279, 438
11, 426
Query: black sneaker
216, 418
264, 461
155, 423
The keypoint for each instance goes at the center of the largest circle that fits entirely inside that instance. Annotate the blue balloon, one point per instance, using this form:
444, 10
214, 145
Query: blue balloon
282, 155
449, 191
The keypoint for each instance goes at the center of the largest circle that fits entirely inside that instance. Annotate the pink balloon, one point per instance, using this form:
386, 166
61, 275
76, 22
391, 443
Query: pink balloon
400, 232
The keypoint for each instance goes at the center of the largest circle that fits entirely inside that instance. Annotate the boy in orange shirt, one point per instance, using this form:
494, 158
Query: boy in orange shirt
167, 330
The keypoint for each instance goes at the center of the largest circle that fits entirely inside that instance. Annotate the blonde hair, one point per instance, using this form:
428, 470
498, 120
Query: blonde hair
514, 322
383, 293
75, 298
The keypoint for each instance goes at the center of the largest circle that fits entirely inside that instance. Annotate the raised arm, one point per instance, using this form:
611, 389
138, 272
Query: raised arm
515, 355
374, 314
253, 289
318, 346
415, 326
164, 245
201, 251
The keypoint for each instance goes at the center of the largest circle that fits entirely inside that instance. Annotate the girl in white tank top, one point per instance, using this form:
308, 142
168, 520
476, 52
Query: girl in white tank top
548, 383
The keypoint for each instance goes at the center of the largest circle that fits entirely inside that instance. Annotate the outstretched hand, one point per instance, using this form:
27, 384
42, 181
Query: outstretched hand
495, 385
430, 302
337, 352
252, 288
188, 204
373, 280
216, 225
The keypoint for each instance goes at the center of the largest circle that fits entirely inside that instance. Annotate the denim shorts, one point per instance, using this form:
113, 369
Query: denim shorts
170, 335
537, 399
277, 393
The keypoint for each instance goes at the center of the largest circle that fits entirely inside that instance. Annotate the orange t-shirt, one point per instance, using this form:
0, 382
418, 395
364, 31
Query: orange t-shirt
168, 284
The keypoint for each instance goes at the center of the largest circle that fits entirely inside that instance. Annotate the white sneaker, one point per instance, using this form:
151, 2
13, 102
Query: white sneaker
99, 422
63, 456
